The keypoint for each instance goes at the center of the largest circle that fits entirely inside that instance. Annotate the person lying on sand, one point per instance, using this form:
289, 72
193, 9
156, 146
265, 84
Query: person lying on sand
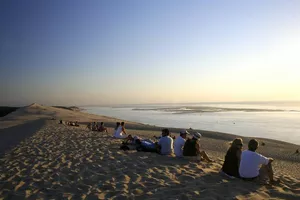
139, 144
192, 148
165, 143
232, 158
131, 140
179, 143
254, 166
101, 128
121, 132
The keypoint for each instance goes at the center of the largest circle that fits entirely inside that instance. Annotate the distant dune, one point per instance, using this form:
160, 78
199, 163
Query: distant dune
73, 108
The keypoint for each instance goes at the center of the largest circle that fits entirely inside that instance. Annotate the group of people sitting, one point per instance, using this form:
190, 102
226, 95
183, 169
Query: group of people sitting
181, 147
247, 164
70, 123
96, 127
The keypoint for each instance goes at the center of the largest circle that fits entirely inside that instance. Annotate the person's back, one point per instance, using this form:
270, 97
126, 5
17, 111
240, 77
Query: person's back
189, 148
118, 133
178, 144
231, 163
250, 164
166, 144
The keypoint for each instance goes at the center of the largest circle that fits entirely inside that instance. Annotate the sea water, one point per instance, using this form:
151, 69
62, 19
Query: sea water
280, 121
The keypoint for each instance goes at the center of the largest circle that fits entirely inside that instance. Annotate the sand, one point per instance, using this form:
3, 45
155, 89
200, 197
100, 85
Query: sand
48, 160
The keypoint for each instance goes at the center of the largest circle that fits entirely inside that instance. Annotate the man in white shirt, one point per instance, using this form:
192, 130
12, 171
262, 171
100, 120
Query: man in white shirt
179, 143
254, 165
165, 143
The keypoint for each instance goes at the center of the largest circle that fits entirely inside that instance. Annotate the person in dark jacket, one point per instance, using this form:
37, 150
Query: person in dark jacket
192, 148
232, 158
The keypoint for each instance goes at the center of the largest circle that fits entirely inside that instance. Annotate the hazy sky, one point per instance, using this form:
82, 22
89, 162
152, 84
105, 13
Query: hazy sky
103, 52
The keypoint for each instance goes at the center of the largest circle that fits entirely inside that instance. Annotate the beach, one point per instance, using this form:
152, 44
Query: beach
42, 159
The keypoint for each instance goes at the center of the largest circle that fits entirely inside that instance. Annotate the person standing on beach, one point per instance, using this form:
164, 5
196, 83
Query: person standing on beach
232, 158
255, 166
179, 143
165, 143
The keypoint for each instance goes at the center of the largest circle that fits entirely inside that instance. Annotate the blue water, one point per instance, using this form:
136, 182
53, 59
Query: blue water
276, 121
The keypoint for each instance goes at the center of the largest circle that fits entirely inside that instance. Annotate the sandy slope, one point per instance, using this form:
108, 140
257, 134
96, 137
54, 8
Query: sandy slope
59, 161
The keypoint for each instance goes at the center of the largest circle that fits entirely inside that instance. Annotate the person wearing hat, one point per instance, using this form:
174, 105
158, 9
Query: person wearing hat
179, 143
232, 158
192, 148
254, 166
165, 143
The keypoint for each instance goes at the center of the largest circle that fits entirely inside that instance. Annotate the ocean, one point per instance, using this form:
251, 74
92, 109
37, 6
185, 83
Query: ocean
280, 120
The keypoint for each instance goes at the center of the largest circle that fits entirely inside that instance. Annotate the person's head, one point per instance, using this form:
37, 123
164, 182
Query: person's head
129, 137
122, 123
197, 136
117, 125
253, 145
237, 143
183, 133
165, 132
102, 123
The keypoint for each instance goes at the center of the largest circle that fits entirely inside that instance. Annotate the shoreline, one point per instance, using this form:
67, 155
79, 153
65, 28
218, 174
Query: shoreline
206, 132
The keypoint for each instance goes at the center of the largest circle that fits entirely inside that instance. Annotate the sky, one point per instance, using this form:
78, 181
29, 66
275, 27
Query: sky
161, 51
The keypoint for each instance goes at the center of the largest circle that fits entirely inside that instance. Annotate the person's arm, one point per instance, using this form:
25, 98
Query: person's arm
123, 130
198, 148
264, 160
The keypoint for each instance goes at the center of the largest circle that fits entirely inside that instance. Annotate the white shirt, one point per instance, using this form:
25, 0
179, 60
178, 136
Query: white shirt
119, 133
251, 163
178, 145
166, 144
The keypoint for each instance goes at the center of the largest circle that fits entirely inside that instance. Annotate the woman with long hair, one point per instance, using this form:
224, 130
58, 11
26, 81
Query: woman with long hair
232, 159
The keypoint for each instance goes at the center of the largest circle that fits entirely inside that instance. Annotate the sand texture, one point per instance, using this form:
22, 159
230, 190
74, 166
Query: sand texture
56, 161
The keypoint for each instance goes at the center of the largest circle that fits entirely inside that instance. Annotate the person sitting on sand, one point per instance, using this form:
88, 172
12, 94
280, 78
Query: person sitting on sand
89, 126
165, 143
179, 143
192, 148
232, 158
254, 166
116, 128
94, 127
121, 132
101, 128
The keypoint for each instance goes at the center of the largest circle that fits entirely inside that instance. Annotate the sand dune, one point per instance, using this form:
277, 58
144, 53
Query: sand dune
56, 161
